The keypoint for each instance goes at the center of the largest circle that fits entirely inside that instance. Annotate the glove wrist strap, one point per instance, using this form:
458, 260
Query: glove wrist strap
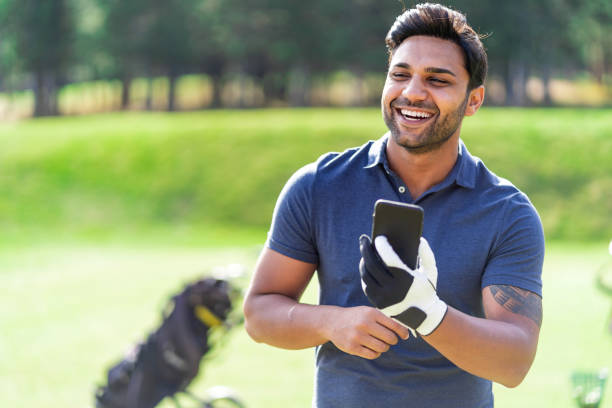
435, 314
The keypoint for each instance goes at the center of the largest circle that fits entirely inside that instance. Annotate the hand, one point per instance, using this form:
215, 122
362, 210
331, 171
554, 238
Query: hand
407, 295
363, 331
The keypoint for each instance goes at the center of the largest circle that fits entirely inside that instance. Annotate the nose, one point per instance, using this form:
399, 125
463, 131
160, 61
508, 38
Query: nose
414, 90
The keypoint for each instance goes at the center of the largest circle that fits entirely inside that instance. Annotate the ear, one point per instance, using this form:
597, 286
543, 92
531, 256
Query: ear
475, 100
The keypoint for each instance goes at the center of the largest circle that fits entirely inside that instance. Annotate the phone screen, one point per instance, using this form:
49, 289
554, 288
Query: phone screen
402, 224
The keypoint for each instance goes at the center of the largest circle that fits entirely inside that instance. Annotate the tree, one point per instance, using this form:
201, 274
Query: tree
591, 33
123, 31
523, 38
209, 36
42, 34
168, 40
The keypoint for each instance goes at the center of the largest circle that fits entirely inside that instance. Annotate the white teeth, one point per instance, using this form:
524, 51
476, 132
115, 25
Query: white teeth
410, 114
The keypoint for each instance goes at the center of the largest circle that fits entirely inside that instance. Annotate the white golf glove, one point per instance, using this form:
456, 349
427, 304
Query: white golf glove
407, 295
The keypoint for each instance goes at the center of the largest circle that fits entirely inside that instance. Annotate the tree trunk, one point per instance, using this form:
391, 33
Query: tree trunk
45, 93
547, 101
172, 77
217, 85
274, 88
298, 86
242, 91
149, 98
126, 82
516, 83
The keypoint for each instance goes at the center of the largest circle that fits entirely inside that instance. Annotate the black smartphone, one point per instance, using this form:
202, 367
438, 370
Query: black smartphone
402, 224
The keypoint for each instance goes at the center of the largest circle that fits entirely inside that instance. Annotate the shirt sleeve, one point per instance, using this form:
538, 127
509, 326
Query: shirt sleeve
518, 254
291, 232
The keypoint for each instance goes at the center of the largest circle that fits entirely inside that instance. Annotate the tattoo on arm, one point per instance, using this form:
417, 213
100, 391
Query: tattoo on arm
519, 301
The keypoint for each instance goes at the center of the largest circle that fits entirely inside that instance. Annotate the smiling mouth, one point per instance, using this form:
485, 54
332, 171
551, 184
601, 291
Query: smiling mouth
414, 116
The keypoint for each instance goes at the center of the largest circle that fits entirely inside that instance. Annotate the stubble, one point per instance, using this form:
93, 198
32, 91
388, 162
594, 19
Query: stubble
434, 136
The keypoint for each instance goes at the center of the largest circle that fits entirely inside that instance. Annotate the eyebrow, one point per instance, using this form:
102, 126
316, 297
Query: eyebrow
431, 70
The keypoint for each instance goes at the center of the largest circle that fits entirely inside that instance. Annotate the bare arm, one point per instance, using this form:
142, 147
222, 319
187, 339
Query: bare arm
500, 347
274, 315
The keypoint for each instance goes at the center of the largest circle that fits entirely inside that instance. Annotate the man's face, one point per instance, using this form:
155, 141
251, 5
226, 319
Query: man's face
425, 94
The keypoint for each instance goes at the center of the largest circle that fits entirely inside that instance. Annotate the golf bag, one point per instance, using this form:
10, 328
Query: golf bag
169, 359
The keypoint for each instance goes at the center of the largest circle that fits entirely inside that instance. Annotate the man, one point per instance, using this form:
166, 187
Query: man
482, 319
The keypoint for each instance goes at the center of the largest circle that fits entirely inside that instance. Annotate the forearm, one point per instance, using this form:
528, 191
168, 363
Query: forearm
283, 322
273, 314
499, 351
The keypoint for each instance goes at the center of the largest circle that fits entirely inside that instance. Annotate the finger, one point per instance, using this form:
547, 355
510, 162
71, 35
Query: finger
372, 262
387, 254
370, 286
367, 353
396, 327
375, 344
367, 279
384, 334
428, 261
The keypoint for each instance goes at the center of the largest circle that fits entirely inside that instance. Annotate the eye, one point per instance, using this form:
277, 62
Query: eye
399, 75
438, 81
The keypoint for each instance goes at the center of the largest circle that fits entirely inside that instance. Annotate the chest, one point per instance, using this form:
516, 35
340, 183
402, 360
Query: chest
458, 230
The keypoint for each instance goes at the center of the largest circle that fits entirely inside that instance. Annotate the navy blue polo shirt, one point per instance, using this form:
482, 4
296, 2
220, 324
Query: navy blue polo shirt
482, 230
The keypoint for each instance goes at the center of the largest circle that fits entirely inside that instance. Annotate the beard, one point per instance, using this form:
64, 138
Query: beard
434, 135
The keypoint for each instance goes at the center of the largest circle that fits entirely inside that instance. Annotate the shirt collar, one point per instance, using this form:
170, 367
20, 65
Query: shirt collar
378, 153
464, 171
466, 174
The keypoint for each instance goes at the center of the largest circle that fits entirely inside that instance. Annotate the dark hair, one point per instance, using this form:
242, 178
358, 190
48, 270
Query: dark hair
438, 21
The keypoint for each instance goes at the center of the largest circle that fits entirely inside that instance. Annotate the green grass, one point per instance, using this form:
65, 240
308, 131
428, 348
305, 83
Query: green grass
68, 313
117, 173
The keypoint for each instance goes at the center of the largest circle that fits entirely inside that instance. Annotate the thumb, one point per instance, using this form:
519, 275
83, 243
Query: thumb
387, 254
427, 262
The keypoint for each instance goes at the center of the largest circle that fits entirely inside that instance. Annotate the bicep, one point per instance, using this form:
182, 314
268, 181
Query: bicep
276, 273
513, 305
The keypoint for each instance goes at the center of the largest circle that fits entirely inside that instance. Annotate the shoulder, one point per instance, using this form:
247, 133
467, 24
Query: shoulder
500, 191
517, 248
514, 213
334, 162
331, 165
324, 174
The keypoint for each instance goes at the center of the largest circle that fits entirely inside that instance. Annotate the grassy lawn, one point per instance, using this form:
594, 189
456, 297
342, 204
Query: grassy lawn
67, 313
130, 170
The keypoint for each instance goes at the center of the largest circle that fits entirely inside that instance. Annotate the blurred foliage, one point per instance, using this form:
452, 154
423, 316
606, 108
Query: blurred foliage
281, 46
120, 171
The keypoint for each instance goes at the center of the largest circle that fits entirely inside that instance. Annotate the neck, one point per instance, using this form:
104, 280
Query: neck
421, 171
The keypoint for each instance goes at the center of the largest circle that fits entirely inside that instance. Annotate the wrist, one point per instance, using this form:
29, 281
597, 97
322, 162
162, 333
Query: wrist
435, 314
325, 322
